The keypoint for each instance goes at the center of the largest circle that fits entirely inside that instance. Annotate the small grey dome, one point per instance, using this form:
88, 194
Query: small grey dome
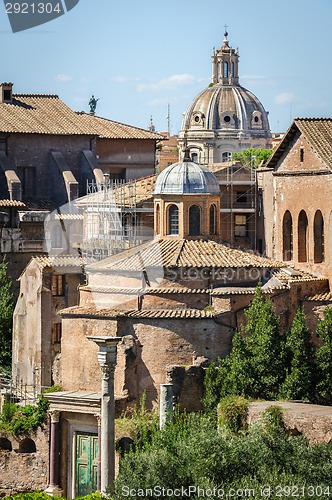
186, 178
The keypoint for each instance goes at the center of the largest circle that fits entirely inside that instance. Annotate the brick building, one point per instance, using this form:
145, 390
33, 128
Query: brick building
296, 196
48, 154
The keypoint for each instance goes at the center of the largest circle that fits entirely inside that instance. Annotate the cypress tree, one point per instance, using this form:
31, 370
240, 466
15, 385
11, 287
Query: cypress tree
324, 360
298, 383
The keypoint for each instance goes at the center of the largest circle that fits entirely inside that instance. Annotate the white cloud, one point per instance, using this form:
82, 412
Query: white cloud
62, 78
171, 83
284, 98
124, 79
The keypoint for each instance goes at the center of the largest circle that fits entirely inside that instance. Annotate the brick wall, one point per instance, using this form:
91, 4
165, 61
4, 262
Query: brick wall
24, 472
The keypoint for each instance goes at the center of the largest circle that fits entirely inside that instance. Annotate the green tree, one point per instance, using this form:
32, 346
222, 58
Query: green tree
6, 318
298, 383
255, 366
265, 348
324, 359
252, 157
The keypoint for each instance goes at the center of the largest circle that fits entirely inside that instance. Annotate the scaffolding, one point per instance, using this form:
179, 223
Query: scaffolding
110, 223
238, 209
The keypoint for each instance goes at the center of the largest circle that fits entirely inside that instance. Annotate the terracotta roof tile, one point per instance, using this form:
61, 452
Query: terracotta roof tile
58, 261
82, 311
109, 129
47, 114
184, 253
12, 203
321, 297
288, 275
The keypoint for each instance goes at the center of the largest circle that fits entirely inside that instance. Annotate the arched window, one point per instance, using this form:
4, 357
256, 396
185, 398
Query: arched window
213, 219
194, 157
5, 444
318, 237
226, 156
173, 219
225, 69
27, 446
157, 218
194, 220
287, 237
303, 237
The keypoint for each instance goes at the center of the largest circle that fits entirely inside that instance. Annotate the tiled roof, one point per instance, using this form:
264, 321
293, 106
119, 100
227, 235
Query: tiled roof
109, 129
321, 297
82, 311
69, 216
184, 253
221, 291
12, 203
288, 275
318, 132
47, 114
58, 261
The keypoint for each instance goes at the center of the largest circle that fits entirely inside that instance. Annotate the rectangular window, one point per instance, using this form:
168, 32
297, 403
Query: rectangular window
240, 225
27, 177
301, 155
58, 285
241, 197
57, 333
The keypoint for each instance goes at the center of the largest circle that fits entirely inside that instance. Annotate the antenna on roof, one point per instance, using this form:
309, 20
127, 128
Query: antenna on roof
168, 118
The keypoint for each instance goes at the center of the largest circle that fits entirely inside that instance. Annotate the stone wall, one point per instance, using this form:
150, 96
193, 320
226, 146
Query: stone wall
21, 471
149, 346
313, 421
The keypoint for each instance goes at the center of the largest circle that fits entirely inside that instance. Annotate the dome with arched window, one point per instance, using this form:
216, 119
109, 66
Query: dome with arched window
186, 178
224, 117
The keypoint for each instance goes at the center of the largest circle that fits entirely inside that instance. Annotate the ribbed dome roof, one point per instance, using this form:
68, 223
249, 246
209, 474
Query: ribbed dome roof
186, 178
224, 108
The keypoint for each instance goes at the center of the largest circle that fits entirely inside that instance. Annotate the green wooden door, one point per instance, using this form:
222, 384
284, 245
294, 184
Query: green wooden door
86, 464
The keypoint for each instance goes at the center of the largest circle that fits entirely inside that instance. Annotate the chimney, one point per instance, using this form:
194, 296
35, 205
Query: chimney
6, 92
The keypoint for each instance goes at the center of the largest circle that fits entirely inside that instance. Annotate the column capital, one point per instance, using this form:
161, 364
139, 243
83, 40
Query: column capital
55, 416
107, 371
98, 418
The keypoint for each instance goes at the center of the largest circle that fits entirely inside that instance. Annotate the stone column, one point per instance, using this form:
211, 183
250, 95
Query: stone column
98, 418
107, 361
54, 488
165, 404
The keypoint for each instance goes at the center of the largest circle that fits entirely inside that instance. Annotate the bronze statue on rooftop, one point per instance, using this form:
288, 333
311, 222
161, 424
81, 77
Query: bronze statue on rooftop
93, 104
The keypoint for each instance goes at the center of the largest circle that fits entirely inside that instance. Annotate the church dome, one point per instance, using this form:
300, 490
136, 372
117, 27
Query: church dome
224, 108
224, 118
186, 178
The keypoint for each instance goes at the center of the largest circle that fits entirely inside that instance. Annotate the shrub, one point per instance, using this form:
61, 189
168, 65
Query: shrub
18, 420
273, 418
192, 452
232, 413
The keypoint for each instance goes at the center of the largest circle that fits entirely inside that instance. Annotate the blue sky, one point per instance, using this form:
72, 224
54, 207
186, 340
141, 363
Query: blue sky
136, 56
